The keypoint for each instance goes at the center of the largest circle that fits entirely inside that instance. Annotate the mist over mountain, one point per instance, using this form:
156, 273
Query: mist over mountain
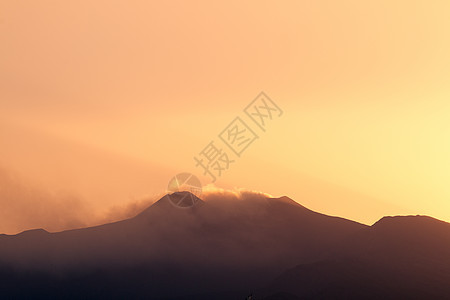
227, 248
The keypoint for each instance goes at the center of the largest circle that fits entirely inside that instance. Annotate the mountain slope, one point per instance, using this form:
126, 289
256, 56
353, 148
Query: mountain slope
396, 258
242, 242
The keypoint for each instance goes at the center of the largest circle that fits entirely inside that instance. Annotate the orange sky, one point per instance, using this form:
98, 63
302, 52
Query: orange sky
107, 100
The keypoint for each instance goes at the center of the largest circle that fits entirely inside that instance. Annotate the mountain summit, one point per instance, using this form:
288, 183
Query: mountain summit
174, 201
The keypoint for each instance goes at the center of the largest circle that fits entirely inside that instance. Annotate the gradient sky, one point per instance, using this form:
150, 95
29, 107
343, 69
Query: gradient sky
106, 100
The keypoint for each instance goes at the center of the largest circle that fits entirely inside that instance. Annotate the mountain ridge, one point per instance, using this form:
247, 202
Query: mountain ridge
245, 242
164, 201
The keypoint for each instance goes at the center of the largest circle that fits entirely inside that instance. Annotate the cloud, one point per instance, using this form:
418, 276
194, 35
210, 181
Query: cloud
28, 206
128, 210
25, 206
212, 192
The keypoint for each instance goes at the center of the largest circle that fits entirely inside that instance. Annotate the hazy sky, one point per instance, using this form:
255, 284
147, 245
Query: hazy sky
106, 100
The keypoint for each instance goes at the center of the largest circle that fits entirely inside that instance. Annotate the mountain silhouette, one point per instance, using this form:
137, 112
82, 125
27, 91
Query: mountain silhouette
403, 257
225, 249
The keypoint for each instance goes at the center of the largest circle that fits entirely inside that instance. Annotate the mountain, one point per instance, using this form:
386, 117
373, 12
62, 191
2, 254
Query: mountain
403, 257
273, 248
167, 251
